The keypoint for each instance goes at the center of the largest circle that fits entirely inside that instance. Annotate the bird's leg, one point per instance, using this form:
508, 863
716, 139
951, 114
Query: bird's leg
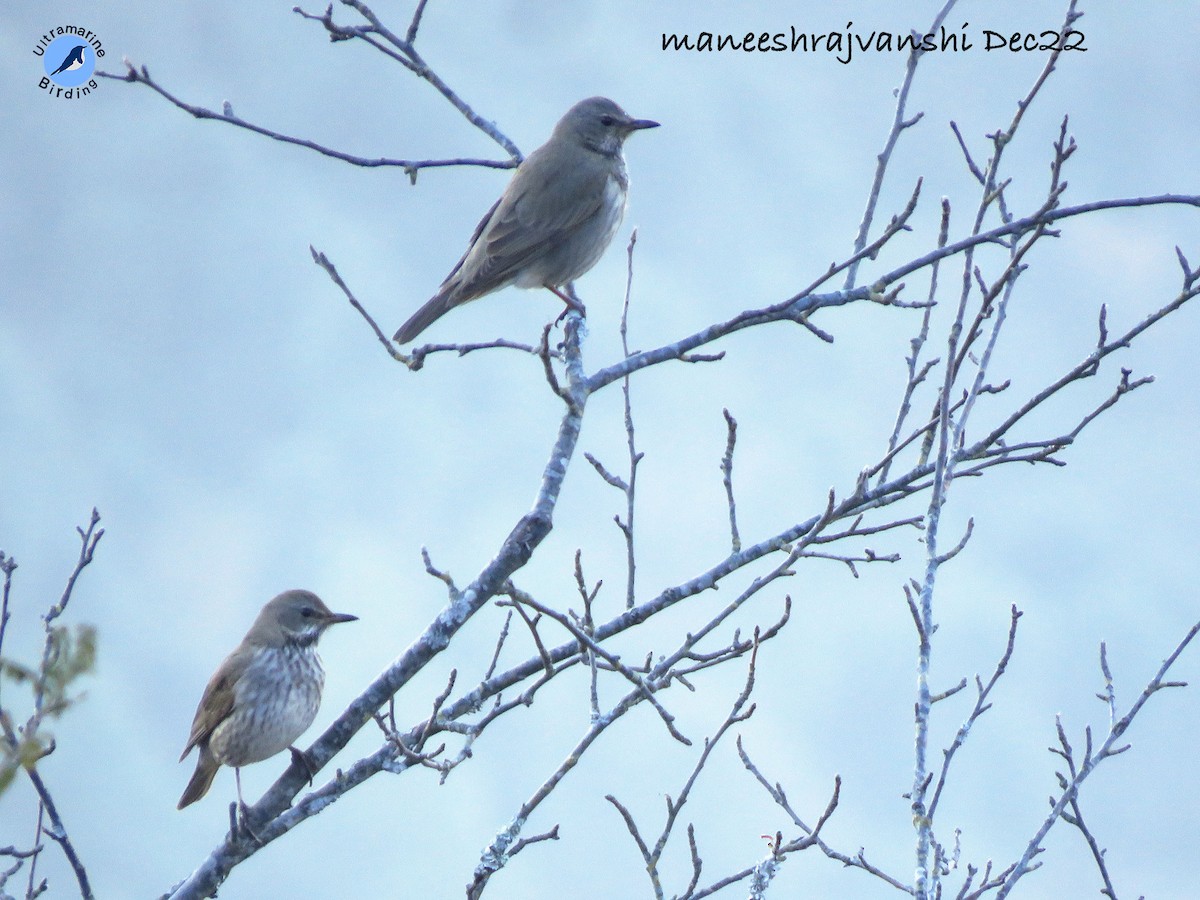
243, 816
299, 757
569, 298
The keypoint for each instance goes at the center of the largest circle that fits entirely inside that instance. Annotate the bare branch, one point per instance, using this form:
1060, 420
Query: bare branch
981, 707
1089, 761
58, 833
141, 75
646, 686
652, 856
776, 792
8, 565
899, 125
635, 457
727, 479
441, 576
519, 597
498, 852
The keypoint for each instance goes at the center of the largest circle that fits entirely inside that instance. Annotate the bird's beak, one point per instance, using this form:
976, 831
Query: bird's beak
335, 618
638, 124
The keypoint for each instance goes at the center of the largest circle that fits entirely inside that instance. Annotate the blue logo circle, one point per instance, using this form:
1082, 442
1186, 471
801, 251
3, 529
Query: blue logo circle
69, 61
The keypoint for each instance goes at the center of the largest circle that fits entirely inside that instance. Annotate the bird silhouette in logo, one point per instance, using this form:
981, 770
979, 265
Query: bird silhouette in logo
73, 61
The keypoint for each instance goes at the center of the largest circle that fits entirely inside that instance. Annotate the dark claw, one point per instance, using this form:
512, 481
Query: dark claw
300, 758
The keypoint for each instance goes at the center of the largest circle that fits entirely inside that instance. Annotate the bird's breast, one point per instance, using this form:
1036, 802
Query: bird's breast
573, 253
275, 701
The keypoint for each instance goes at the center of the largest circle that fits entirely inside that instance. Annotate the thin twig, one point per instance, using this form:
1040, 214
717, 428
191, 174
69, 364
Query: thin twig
58, 833
727, 479
899, 125
1092, 759
141, 75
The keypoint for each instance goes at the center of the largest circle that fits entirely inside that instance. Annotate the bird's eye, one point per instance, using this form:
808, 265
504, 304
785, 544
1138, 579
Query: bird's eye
608, 121
308, 612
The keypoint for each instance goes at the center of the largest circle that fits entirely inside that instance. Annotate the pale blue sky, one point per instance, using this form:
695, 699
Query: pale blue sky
170, 355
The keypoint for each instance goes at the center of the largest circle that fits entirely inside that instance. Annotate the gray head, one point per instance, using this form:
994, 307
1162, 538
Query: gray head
599, 124
294, 616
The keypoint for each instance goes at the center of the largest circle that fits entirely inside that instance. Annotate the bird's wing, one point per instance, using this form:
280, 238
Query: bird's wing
217, 702
522, 223
487, 217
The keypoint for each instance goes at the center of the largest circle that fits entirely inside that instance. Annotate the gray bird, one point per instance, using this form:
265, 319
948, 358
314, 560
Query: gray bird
554, 220
264, 695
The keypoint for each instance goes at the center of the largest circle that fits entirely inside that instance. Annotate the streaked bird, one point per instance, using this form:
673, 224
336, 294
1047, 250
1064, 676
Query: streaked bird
264, 695
554, 220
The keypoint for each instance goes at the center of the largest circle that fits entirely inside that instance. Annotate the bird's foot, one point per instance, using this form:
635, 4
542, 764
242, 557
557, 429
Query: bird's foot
573, 303
300, 758
239, 823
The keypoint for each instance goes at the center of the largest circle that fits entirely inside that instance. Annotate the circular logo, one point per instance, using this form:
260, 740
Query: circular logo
69, 61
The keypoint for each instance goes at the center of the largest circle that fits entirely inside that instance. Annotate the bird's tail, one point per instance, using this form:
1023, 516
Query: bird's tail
440, 304
202, 778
